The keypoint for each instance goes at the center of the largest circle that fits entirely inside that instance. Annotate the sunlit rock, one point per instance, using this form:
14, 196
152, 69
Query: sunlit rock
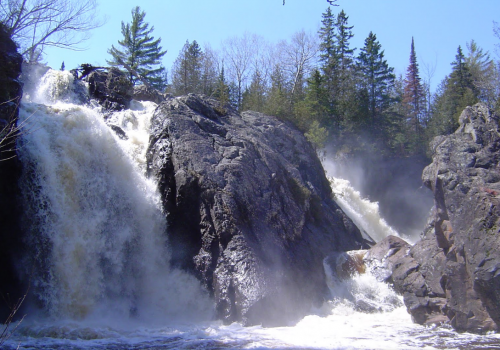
453, 273
249, 208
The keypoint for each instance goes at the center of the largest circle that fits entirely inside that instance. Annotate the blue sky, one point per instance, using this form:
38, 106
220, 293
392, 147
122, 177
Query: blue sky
438, 26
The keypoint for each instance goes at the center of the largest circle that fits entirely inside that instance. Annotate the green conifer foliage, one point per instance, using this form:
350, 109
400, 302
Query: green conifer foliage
187, 73
377, 77
456, 92
414, 100
140, 54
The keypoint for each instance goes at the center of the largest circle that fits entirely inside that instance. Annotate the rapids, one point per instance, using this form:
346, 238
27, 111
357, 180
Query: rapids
98, 256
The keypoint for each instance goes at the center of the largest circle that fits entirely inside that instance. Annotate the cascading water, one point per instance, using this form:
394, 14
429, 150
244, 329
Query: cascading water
98, 233
364, 213
100, 253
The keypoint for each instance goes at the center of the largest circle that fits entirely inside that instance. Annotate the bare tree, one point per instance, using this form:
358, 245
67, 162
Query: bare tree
300, 56
239, 53
36, 24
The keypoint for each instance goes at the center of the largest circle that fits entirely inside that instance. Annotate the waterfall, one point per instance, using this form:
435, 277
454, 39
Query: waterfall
99, 252
97, 237
364, 213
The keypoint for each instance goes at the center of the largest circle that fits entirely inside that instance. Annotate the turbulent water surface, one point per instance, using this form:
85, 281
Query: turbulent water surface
99, 257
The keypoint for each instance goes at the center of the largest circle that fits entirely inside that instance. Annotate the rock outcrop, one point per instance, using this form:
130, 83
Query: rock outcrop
249, 208
10, 168
147, 93
454, 271
111, 88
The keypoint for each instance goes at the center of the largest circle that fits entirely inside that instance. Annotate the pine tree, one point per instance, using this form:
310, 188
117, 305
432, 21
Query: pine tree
414, 99
140, 53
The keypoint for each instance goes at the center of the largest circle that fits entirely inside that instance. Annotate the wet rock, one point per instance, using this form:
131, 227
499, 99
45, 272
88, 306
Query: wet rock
11, 91
111, 88
453, 270
382, 257
250, 210
345, 265
145, 93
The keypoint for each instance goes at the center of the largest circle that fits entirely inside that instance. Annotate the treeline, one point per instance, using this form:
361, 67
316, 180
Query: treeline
334, 93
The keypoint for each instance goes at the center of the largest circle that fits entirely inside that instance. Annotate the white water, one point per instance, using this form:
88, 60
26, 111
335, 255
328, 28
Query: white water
100, 232
363, 213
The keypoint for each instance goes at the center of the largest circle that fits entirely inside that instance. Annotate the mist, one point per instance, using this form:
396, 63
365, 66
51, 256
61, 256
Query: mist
396, 184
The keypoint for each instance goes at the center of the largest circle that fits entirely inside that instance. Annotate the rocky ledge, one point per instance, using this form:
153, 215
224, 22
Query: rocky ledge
250, 210
452, 274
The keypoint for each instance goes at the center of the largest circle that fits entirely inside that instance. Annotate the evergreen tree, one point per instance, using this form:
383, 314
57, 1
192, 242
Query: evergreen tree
414, 100
345, 95
484, 73
327, 36
377, 77
187, 72
329, 65
254, 96
455, 92
312, 109
277, 103
222, 91
140, 53
343, 36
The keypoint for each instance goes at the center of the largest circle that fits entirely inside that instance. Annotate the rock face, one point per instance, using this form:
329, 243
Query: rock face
111, 88
10, 168
249, 208
455, 269
145, 93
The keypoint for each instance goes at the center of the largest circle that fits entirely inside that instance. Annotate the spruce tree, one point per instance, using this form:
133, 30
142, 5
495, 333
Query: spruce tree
329, 65
484, 73
414, 99
376, 76
222, 91
140, 53
455, 92
343, 36
187, 73
254, 95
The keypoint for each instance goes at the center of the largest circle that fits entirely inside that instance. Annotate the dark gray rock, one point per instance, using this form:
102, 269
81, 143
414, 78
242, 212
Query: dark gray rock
415, 273
250, 210
454, 271
145, 93
382, 257
111, 88
11, 288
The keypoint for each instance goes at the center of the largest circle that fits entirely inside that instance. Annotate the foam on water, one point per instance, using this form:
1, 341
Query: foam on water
101, 269
364, 213
98, 231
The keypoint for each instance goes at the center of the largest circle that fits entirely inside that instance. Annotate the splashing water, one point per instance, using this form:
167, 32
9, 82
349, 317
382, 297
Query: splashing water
102, 271
98, 231
364, 213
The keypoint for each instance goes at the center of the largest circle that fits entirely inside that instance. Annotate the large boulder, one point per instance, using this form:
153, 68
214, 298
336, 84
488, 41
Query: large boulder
249, 208
455, 269
111, 88
10, 170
